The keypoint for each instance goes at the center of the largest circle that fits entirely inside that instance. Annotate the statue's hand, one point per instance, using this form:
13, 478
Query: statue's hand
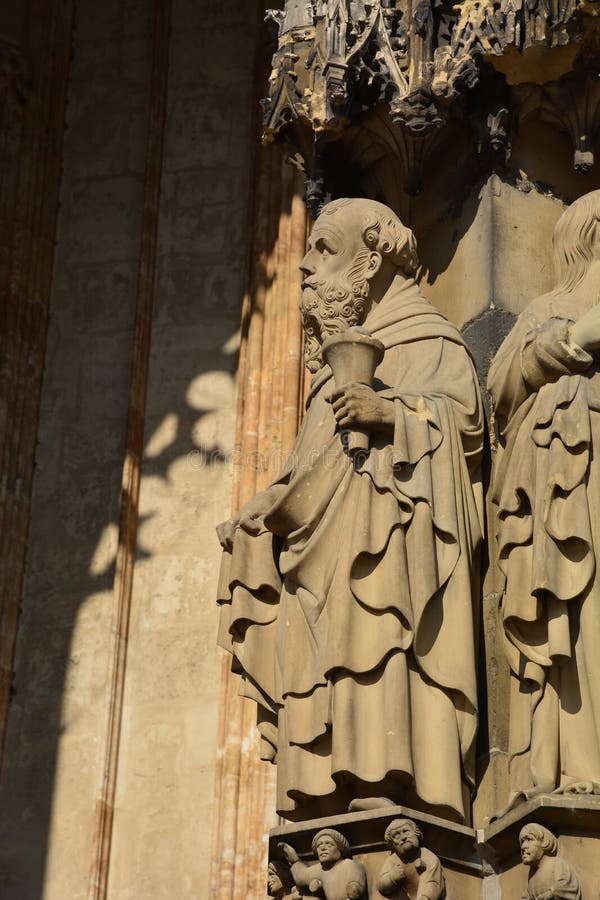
289, 853
358, 404
315, 885
249, 518
354, 890
398, 874
249, 515
225, 533
586, 331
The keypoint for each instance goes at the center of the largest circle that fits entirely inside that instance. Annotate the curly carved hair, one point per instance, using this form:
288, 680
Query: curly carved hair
382, 231
548, 842
574, 240
338, 839
397, 823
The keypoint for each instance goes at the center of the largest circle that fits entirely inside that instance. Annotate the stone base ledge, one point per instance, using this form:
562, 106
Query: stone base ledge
478, 862
454, 844
572, 813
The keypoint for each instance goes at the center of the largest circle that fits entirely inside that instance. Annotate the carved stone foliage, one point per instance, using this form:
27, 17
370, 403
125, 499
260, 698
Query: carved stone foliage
335, 875
410, 870
550, 876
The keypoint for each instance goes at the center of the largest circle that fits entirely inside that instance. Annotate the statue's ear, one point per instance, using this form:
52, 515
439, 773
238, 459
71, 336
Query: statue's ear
373, 263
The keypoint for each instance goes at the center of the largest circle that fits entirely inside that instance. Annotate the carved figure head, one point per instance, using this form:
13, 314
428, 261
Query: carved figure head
403, 836
536, 842
355, 249
279, 879
329, 846
577, 240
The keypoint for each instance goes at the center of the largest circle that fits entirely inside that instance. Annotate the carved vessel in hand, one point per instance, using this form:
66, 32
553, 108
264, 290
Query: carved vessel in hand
353, 355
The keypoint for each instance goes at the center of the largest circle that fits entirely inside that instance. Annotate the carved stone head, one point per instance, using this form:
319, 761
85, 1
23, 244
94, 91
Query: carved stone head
577, 240
279, 879
536, 842
404, 837
329, 846
356, 248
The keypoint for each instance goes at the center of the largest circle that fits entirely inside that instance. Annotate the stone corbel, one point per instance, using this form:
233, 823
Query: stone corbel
417, 110
572, 105
490, 121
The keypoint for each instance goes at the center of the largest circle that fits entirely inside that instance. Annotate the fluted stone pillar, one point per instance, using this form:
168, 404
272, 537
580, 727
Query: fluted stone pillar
270, 401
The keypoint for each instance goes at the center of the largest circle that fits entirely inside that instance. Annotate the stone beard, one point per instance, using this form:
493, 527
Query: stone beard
343, 596
328, 307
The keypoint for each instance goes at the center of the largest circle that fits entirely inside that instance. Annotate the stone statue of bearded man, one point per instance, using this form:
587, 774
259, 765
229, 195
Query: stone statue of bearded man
349, 587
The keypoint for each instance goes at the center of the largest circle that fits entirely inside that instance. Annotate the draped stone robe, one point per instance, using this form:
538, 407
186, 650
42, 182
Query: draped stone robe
351, 615
555, 875
547, 488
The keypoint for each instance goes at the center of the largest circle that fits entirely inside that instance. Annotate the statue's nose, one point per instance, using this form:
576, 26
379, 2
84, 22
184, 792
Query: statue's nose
306, 266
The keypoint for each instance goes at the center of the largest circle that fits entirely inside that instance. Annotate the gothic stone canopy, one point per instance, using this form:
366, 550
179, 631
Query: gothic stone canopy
403, 69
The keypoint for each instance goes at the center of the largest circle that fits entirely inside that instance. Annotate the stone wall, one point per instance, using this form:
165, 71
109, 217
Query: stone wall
165, 785
57, 724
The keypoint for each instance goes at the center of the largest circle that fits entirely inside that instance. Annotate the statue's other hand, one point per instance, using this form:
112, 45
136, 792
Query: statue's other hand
586, 331
225, 533
315, 885
289, 853
354, 890
398, 874
359, 405
250, 516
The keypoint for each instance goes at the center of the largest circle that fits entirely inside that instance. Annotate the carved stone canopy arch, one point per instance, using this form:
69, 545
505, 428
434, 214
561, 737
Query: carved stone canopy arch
425, 65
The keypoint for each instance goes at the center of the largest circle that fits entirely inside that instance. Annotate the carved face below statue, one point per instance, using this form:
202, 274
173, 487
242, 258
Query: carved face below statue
343, 595
405, 838
410, 870
336, 876
280, 883
327, 849
550, 876
532, 849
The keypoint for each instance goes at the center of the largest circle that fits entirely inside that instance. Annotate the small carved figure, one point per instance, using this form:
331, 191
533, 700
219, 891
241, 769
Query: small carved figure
350, 581
336, 875
545, 382
280, 883
550, 876
411, 870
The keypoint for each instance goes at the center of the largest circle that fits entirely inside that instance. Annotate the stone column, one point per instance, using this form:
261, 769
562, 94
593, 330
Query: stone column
270, 401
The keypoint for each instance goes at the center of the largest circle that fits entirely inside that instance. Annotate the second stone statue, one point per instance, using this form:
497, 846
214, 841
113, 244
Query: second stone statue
545, 382
350, 586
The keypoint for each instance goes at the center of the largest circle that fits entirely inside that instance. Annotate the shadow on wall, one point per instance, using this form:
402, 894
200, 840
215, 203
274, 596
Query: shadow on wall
55, 746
